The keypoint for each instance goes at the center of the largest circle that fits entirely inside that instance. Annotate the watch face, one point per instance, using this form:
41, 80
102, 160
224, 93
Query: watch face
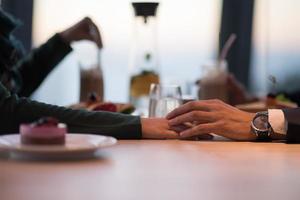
261, 122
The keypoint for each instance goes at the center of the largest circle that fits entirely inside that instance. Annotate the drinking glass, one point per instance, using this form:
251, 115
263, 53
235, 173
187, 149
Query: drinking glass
164, 99
213, 84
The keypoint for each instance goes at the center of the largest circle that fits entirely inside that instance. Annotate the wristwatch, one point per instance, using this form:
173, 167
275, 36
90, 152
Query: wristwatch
261, 127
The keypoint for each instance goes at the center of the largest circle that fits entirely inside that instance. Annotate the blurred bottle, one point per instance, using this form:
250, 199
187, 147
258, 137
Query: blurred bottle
144, 58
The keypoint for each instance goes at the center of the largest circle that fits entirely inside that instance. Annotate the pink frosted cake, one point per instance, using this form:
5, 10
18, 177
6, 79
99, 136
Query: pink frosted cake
44, 131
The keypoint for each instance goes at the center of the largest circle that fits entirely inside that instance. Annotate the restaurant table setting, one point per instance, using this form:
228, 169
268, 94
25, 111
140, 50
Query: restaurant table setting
45, 161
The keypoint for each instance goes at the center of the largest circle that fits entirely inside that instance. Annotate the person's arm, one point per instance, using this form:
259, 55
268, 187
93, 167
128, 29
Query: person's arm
215, 116
39, 63
15, 110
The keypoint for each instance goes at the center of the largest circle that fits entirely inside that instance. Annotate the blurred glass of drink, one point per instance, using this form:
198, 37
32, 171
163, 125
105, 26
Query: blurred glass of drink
164, 99
213, 84
91, 81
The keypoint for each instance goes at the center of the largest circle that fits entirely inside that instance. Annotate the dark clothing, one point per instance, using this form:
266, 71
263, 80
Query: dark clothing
292, 116
23, 74
38, 64
15, 110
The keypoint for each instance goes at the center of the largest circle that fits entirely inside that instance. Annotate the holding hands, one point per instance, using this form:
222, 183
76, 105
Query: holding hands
157, 128
212, 116
199, 119
193, 119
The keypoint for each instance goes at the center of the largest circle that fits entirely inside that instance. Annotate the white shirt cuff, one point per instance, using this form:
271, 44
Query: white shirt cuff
277, 121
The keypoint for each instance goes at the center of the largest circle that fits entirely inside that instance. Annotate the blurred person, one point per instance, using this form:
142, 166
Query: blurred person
215, 116
23, 74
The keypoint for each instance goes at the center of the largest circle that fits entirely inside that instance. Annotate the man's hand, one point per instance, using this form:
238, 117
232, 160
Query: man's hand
86, 29
213, 116
157, 128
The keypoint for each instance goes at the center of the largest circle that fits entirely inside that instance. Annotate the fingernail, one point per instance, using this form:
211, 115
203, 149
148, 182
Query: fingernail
182, 134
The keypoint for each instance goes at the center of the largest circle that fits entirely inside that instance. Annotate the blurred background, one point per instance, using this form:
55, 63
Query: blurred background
190, 33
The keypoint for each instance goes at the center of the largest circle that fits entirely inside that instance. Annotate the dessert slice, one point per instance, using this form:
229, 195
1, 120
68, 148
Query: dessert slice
44, 131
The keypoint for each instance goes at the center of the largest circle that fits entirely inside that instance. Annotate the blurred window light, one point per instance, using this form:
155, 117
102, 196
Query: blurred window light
187, 37
276, 46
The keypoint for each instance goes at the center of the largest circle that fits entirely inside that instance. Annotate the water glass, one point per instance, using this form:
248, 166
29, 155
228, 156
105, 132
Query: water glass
164, 99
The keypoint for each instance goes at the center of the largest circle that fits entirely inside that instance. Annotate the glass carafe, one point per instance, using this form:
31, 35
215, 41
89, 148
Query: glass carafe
144, 58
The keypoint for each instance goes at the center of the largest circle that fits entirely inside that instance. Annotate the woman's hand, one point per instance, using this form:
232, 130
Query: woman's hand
157, 128
85, 29
213, 116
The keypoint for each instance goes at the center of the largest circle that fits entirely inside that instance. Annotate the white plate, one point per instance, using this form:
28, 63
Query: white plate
76, 146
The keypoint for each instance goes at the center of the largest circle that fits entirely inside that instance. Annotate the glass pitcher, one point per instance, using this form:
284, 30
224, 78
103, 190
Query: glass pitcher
144, 59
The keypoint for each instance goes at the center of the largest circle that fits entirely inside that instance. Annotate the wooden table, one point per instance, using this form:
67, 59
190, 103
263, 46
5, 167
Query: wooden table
147, 169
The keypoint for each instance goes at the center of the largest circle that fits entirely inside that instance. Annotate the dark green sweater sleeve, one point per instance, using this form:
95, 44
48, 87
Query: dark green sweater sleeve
39, 63
15, 110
